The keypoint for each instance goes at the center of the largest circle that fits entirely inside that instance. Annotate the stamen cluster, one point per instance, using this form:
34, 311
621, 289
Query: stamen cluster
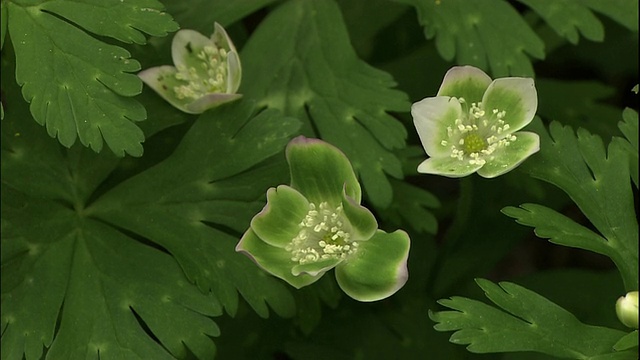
211, 78
323, 235
476, 135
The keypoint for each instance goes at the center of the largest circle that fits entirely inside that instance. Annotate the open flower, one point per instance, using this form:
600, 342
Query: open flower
207, 71
317, 224
471, 124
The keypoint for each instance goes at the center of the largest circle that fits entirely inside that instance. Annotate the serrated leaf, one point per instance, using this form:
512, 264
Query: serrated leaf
75, 283
598, 181
524, 321
197, 202
567, 18
629, 127
299, 60
79, 86
488, 34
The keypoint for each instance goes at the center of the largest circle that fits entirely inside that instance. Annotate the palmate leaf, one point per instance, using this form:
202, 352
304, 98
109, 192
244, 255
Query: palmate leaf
598, 181
201, 14
79, 86
84, 278
527, 322
489, 34
299, 60
629, 127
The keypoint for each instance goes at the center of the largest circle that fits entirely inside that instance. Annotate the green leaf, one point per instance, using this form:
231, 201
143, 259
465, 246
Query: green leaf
527, 322
628, 341
488, 34
299, 60
224, 172
412, 206
598, 181
200, 15
624, 12
629, 127
79, 86
568, 17
107, 277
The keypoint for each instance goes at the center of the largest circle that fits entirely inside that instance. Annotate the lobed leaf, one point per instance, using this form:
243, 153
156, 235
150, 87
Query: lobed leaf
523, 321
488, 34
197, 202
79, 86
629, 127
299, 60
598, 181
201, 14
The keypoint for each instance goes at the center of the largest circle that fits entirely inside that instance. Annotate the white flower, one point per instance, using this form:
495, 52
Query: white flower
471, 124
207, 71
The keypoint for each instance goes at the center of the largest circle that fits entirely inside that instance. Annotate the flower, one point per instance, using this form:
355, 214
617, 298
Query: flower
471, 124
627, 309
207, 71
318, 224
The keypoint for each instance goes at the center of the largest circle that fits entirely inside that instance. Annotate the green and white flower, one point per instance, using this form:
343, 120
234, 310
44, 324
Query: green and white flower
627, 309
207, 71
318, 224
472, 124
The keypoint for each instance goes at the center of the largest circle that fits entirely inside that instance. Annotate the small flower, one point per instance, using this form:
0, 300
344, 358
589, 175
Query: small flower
471, 124
627, 309
207, 72
317, 224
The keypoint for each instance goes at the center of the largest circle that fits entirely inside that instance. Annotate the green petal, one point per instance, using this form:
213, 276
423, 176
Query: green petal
447, 166
363, 223
162, 80
279, 222
507, 158
467, 82
209, 101
516, 96
185, 46
316, 269
273, 260
378, 269
234, 71
431, 117
320, 171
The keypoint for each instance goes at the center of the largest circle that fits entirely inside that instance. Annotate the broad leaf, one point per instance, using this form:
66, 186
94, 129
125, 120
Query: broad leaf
299, 60
201, 14
79, 86
489, 34
598, 181
524, 321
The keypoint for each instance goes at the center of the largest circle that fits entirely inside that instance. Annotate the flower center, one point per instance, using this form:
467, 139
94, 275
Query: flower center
209, 75
477, 135
324, 234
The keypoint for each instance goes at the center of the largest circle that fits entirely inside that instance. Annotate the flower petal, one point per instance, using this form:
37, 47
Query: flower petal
163, 81
234, 71
363, 223
320, 171
466, 82
317, 268
279, 222
209, 101
516, 96
221, 39
431, 117
273, 260
448, 166
378, 269
185, 46
507, 158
